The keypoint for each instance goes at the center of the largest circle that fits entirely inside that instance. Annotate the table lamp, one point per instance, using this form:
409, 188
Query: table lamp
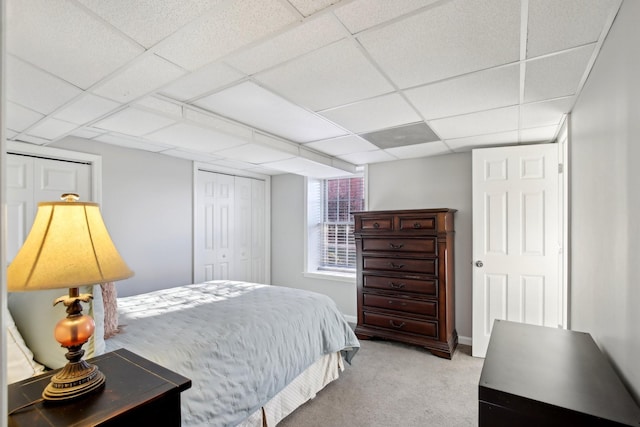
68, 246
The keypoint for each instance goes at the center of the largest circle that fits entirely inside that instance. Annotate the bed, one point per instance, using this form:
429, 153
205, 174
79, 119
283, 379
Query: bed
254, 352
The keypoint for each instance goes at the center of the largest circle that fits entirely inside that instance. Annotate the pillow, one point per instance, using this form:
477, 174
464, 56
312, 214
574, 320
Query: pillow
20, 363
35, 318
110, 303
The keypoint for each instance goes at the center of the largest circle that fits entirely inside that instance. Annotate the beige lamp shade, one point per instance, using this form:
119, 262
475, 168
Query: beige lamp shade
68, 246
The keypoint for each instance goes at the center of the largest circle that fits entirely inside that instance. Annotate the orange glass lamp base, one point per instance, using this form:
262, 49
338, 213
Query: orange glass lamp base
78, 377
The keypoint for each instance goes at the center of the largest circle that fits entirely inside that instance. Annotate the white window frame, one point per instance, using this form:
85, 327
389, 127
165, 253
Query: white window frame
311, 255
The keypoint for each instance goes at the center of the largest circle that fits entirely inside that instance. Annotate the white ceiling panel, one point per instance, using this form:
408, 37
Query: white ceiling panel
149, 21
128, 142
199, 83
191, 155
19, 118
11, 134
306, 167
553, 25
494, 139
134, 122
365, 157
373, 114
342, 145
454, 38
146, 74
36, 89
362, 14
32, 139
86, 133
196, 138
541, 134
484, 90
159, 105
331, 76
51, 128
85, 109
309, 7
310, 35
255, 153
545, 113
211, 121
557, 75
251, 104
233, 25
419, 150
483, 122
91, 50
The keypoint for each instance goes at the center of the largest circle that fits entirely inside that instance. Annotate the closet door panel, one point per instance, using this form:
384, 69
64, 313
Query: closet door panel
258, 225
52, 178
20, 202
243, 236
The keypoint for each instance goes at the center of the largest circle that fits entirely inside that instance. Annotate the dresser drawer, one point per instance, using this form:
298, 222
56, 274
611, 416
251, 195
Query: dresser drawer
395, 323
425, 287
425, 266
422, 222
425, 308
374, 223
425, 245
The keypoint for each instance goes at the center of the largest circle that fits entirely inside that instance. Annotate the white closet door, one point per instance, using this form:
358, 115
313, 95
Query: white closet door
258, 250
243, 231
31, 180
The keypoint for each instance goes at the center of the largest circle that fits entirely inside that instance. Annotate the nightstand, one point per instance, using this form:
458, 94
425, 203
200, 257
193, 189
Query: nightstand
137, 392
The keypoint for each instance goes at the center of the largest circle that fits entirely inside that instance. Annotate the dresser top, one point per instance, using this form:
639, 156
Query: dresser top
406, 211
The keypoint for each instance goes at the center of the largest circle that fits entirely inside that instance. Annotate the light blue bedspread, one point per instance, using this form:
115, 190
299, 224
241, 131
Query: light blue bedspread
240, 343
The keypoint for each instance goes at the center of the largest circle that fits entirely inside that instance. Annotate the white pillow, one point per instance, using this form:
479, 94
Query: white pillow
20, 363
36, 317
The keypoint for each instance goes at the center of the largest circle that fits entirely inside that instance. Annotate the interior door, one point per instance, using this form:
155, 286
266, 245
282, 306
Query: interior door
515, 239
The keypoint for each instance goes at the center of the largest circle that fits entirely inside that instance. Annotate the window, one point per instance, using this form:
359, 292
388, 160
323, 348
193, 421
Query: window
330, 204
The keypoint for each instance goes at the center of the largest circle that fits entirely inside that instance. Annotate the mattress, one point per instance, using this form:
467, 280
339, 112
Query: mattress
240, 343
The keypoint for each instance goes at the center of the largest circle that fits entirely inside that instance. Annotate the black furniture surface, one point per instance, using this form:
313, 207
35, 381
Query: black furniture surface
137, 392
540, 376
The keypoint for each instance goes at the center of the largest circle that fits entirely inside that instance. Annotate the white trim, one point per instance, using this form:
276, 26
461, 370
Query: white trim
464, 340
59, 154
350, 319
336, 277
267, 210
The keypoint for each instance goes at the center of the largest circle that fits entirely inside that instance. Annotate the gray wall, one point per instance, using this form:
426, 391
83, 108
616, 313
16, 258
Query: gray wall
147, 207
605, 199
435, 182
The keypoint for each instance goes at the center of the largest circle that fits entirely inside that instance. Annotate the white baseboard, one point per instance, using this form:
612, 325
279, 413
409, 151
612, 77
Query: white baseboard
350, 319
464, 340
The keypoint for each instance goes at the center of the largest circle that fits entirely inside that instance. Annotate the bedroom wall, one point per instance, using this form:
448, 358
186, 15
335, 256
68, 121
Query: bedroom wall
148, 209
442, 181
605, 242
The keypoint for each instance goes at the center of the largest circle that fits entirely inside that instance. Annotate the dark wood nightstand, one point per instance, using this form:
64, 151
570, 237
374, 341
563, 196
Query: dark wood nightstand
137, 392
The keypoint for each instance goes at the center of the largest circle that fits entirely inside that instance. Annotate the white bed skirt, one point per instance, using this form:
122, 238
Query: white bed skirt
300, 390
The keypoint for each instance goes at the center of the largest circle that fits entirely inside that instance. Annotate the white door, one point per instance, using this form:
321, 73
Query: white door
258, 267
515, 239
242, 236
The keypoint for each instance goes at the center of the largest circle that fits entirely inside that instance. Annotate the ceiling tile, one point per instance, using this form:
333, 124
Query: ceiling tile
10, 134
482, 90
132, 121
50, 128
557, 75
233, 25
334, 75
190, 137
85, 109
161, 106
414, 133
213, 122
199, 83
232, 164
362, 14
419, 150
32, 139
557, 25
147, 73
484, 122
19, 118
36, 89
365, 157
373, 114
129, 142
85, 133
310, 35
66, 41
541, 134
254, 153
468, 143
190, 155
448, 40
306, 167
309, 7
545, 113
149, 21
251, 104
342, 145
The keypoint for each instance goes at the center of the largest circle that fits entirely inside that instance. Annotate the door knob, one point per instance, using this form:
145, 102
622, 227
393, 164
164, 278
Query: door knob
479, 264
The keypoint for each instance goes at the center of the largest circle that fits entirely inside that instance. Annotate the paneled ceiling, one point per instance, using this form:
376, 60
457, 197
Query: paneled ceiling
313, 87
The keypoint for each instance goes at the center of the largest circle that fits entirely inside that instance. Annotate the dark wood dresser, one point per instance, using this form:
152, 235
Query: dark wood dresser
405, 277
539, 376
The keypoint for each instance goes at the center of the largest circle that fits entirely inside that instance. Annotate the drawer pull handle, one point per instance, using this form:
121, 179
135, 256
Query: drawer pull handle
394, 246
417, 225
397, 303
396, 266
396, 285
392, 323
376, 225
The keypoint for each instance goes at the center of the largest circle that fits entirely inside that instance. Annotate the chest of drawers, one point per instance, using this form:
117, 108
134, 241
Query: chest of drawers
405, 277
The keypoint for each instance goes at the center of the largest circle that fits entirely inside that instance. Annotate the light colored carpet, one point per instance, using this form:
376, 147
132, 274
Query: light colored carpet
391, 384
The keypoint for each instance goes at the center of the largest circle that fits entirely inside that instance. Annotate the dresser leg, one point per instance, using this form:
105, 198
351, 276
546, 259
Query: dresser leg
443, 354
